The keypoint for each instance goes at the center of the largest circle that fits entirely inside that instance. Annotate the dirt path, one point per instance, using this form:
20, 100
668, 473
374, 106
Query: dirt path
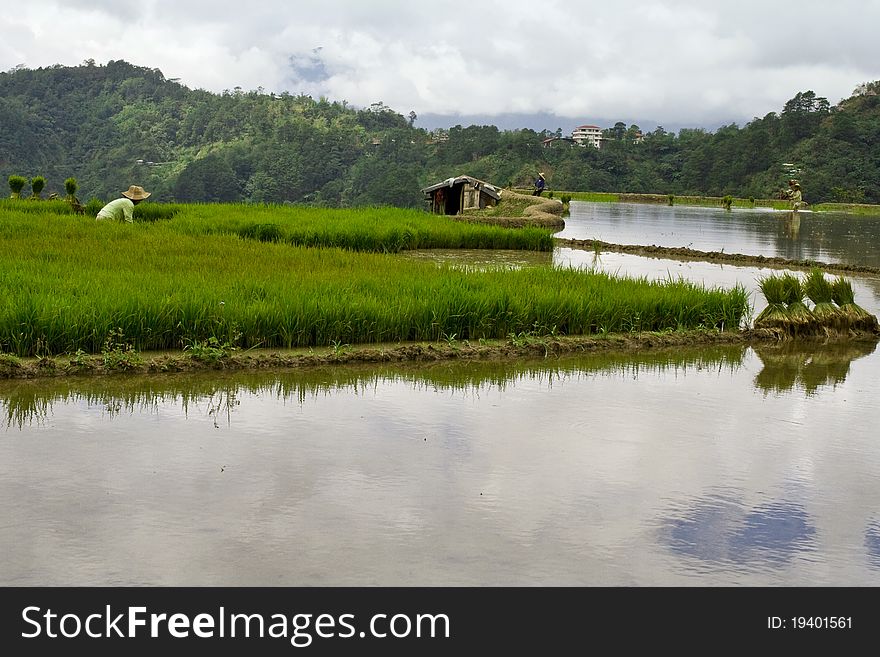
682, 253
522, 347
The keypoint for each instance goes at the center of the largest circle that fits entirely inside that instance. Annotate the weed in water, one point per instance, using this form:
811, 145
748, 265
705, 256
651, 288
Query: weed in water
450, 339
339, 348
81, 361
119, 354
211, 351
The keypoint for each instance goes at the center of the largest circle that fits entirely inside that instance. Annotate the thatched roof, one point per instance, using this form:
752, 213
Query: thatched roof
490, 189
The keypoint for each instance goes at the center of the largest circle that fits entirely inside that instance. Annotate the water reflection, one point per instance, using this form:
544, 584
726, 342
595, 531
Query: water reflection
660, 468
823, 236
807, 367
725, 529
791, 225
217, 396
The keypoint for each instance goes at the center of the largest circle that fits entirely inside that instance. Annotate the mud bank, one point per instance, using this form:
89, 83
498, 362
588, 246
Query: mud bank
540, 221
518, 348
538, 211
683, 253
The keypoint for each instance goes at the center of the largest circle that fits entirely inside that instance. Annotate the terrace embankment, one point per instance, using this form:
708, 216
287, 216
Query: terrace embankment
683, 253
519, 210
513, 348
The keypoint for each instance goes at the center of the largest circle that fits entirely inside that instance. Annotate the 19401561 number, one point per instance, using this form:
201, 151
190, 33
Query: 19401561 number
821, 622
810, 622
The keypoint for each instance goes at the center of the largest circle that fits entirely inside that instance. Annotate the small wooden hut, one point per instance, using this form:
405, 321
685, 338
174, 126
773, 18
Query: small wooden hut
454, 195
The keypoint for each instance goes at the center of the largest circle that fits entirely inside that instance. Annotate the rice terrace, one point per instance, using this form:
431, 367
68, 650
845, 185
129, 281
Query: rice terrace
276, 364
238, 277
390, 300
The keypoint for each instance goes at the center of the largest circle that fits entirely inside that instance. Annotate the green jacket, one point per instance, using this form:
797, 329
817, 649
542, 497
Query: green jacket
122, 209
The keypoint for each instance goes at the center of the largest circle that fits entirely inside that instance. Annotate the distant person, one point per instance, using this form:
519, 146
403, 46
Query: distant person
795, 195
122, 209
540, 184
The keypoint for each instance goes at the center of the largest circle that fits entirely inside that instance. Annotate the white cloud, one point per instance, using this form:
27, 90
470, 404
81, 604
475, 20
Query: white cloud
678, 61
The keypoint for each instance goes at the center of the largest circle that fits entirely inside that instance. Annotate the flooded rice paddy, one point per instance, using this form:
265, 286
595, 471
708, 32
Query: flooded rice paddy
712, 466
822, 236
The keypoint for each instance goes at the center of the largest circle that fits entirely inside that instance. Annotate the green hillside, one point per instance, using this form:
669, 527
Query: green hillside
114, 125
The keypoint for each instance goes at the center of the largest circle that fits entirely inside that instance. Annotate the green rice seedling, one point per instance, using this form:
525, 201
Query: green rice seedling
16, 184
382, 230
211, 351
155, 211
594, 197
70, 186
261, 232
52, 206
93, 206
799, 315
68, 284
818, 289
857, 317
774, 316
38, 183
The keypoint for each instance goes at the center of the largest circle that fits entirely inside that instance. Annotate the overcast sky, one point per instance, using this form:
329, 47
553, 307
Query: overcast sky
672, 62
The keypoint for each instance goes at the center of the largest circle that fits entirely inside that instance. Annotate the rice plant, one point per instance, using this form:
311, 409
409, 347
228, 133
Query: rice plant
69, 283
774, 316
16, 184
798, 314
38, 183
843, 295
818, 289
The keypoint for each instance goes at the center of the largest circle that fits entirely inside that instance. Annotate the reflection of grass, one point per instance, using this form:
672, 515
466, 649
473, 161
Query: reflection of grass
788, 364
664, 199
29, 402
780, 371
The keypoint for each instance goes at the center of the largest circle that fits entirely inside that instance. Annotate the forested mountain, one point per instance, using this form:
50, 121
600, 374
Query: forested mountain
118, 124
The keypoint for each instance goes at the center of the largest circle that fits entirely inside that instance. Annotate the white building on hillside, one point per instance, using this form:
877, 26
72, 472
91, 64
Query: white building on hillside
588, 134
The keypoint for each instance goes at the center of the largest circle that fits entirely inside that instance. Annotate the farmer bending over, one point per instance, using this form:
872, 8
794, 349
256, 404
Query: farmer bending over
122, 209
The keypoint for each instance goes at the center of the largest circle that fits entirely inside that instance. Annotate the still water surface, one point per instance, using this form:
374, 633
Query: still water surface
823, 236
734, 466
720, 466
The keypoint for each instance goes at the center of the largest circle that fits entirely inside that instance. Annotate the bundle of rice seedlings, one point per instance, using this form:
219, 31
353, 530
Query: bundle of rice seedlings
798, 314
857, 317
774, 315
818, 289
